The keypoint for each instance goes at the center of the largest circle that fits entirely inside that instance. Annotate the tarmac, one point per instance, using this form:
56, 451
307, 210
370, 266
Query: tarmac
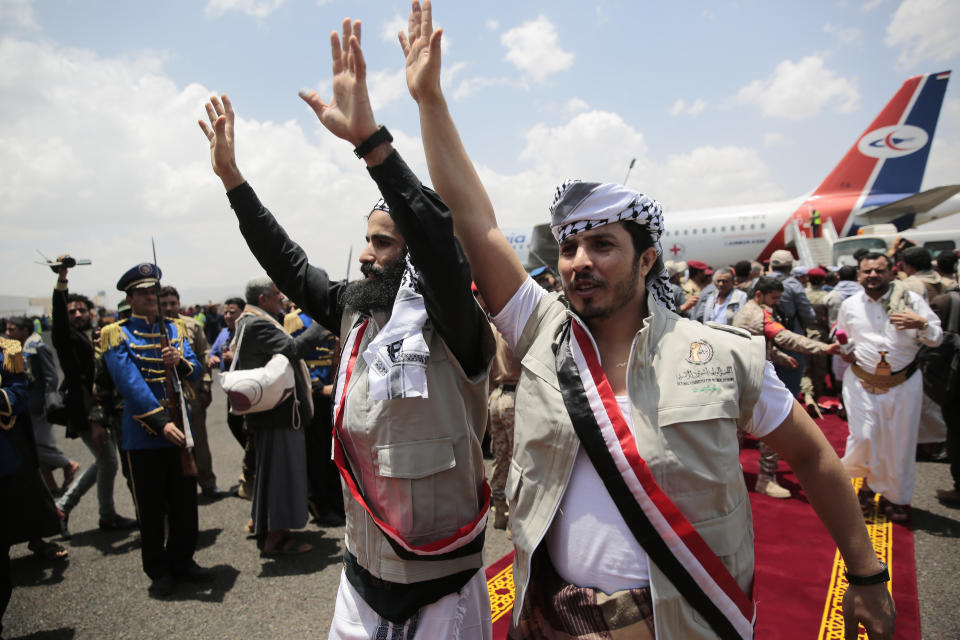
100, 591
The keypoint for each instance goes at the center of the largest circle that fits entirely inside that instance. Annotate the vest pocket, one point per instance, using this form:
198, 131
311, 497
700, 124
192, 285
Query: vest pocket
415, 460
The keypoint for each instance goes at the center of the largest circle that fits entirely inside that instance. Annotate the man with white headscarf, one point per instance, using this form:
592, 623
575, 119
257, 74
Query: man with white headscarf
625, 489
410, 398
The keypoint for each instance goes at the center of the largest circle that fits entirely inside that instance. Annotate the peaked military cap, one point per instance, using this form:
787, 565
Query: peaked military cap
144, 274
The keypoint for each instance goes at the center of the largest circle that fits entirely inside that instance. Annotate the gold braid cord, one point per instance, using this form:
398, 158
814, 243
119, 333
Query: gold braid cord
12, 355
880, 530
501, 590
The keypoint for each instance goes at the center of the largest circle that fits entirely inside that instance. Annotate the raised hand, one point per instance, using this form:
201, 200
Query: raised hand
421, 47
220, 134
348, 115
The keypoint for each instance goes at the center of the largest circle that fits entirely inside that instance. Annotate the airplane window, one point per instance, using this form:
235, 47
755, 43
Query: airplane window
704, 229
694, 232
763, 225
753, 226
743, 227
724, 228
713, 230
684, 232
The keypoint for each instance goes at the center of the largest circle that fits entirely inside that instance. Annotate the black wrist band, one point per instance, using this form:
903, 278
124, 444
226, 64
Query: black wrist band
881, 576
379, 136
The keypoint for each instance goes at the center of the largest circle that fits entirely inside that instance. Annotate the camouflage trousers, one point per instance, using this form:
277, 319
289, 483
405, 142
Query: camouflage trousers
501, 404
768, 457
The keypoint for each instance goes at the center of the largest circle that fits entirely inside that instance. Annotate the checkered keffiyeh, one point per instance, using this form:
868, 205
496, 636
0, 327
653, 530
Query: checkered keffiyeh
580, 206
397, 356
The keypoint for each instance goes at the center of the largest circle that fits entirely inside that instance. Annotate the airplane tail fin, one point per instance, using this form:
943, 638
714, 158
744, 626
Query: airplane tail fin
888, 160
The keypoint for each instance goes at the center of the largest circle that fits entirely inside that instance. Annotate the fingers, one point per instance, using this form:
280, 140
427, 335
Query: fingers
415, 18
426, 20
207, 131
356, 29
359, 65
313, 99
404, 44
336, 53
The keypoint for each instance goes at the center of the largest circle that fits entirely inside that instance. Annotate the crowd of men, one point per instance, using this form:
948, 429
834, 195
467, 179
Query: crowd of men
616, 450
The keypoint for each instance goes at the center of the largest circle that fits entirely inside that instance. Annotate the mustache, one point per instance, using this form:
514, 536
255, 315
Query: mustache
369, 269
585, 277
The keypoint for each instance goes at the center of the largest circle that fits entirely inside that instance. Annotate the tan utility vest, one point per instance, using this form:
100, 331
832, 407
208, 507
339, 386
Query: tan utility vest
687, 400
417, 461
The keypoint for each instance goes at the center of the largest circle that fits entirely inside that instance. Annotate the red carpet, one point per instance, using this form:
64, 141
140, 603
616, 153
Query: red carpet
799, 578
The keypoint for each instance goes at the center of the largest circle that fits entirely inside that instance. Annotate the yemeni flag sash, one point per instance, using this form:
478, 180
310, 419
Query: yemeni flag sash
465, 541
662, 530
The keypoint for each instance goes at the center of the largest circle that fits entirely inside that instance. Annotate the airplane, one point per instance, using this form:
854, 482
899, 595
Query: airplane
877, 181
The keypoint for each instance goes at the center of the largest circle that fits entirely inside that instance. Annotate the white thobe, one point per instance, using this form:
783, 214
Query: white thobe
883, 427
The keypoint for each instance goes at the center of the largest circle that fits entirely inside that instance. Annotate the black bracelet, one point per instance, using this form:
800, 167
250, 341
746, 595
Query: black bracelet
881, 576
379, 136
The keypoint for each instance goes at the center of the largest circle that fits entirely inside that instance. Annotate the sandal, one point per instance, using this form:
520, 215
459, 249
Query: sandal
48, 550
287, 546
866, 499
894, 512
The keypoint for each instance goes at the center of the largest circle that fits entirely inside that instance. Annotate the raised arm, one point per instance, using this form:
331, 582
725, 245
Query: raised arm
496, 268
283, 259
422, 218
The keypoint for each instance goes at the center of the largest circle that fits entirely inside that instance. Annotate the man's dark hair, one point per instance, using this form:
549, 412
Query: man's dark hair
21, 322
767, 284
918, 258
237, 301
947, 262
874, 255
859, 253
816, 280
168, 291
642, 240
847, 272
79, 297
742, 269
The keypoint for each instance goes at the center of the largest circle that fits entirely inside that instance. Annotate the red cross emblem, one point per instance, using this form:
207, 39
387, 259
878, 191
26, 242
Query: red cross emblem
675, 249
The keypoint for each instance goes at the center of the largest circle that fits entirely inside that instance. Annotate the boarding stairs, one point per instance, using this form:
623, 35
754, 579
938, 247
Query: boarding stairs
812, 252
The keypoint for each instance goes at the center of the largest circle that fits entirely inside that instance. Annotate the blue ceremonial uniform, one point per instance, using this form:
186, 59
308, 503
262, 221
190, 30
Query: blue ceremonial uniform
320, 360
131, 351
14, 387
165, 497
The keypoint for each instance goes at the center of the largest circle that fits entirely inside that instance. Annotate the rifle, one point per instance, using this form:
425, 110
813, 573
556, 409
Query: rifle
174, 398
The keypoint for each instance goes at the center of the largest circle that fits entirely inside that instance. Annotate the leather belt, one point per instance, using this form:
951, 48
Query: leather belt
879, 384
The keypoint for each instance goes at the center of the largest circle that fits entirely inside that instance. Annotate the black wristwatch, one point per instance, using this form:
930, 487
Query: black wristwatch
861, 581
379, 136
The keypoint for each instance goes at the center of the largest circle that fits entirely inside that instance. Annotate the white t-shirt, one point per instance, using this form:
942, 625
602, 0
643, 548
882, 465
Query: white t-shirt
590, 545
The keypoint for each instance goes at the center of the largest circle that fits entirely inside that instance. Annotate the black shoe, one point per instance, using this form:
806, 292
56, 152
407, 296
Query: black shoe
330, 519
212, 493
162, 586
196, 574
118, 523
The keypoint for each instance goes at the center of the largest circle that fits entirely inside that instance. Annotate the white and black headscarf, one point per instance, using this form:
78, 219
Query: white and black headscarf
397, 356
580, 206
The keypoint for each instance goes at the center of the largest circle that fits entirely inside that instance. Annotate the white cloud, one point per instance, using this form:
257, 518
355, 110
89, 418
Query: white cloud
534, 48
943, 167
926, 30
392, 27
713, 177
576, 105
492, 24
470, 86
130, 162
386, 86
870, 5
680, 107
843, 35
255, 8
18, 13
799, 90
598, 145
774, 139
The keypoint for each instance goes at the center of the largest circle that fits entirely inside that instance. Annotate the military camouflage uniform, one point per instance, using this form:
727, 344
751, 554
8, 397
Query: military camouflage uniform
198, 395
817, 365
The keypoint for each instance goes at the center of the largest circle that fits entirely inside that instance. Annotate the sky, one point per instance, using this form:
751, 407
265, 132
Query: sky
720, 103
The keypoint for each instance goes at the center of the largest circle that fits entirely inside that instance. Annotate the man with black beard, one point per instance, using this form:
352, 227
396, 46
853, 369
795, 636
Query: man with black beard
410, 396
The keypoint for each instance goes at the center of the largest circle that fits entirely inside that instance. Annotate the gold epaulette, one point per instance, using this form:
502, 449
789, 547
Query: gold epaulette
112, 335
12, 355
292, 322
